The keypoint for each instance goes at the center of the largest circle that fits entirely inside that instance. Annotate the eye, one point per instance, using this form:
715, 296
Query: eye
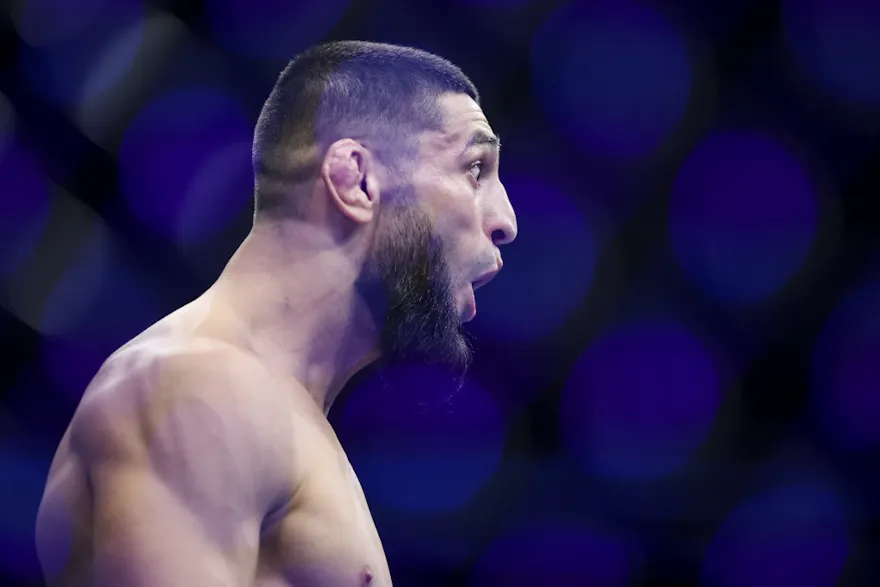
478, 166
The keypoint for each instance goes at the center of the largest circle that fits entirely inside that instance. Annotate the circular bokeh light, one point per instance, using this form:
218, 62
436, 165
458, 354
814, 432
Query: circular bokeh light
558, 556
615, 77
158, 43
272, 29
7, 121
418, 445
547, 271
72, 363
59, 68
23, 477
49, 22
846, 370
793, 535
837, 42
101, 297
640, 401
185, 164
24, 193
497, 4
743, 217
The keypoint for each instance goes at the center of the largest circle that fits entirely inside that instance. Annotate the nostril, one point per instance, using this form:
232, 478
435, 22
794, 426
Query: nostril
498, 236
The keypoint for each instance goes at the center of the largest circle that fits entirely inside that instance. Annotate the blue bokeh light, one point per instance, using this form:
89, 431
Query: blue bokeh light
22, 477
640, 401
71, 363
615, 77
547, 271
846, 370
417, 445
49, 22
272, 29
24, 191
743, 217
497, 4
564, 556
837, 42
101, 302
185, 164
60, 69
792, 535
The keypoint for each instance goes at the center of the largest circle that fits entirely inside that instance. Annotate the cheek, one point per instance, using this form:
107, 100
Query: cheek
460, 249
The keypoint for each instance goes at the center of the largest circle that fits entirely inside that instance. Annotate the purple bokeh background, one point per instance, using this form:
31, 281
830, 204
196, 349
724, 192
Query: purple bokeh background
846, 370
419, 444
563, 556
185, 164
26, 204
743, 216
640, 401
837, 42
614, 77
599, 409
272, 28
791, 535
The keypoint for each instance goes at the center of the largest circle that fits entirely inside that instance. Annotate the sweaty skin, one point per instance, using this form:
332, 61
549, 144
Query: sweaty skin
201, 454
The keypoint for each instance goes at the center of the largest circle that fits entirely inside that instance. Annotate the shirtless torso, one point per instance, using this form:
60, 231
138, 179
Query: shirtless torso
188, 463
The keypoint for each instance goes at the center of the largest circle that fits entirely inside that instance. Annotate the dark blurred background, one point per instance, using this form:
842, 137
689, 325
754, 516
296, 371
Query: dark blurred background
678, 374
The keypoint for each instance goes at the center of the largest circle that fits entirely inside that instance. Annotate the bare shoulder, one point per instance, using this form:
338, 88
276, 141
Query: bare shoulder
182, 402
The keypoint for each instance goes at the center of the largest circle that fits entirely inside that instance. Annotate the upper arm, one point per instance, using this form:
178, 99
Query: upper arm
176, 466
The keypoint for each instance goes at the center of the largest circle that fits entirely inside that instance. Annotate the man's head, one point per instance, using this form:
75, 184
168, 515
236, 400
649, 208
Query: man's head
388, 148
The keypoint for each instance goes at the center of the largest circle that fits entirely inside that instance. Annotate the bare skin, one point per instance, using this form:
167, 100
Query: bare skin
201, 454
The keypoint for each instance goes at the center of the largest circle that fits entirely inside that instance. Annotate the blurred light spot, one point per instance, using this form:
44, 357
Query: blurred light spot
548, 270
114, 61
185, 164
503, 4
743, 217
794, 535
846, 370
24, 194
562, 557
640, 401
416, 444
838, 43
59, 71
22, 477
7, 121
153, 42
48, 22
615, 77
91, 292
27, 290
268, 28
71, 364
101, 299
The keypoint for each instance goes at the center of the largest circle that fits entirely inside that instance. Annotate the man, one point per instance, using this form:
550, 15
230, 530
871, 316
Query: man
201, 453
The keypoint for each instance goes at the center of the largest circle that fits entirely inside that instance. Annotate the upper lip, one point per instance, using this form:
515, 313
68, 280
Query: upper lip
485, 278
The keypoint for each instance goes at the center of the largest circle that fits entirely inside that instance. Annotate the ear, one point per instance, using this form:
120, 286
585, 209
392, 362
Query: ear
346, 172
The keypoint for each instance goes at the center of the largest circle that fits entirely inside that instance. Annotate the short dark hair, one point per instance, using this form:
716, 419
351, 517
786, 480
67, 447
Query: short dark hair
380, 94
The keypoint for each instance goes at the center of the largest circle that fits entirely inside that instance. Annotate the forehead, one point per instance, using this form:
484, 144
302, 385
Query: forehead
462, 118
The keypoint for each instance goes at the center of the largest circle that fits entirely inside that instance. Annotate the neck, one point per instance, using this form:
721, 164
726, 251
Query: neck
292, 288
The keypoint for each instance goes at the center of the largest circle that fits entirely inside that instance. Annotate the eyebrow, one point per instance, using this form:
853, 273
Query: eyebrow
482, 137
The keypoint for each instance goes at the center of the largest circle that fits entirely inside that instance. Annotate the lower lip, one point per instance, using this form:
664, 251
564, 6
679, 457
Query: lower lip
470, 305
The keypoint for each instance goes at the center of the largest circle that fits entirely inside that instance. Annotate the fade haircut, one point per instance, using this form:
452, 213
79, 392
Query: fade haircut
379, 94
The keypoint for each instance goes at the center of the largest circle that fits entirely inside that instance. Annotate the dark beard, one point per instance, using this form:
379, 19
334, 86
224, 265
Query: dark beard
408, 287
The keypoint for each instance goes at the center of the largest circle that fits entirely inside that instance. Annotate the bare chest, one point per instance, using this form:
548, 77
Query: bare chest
326, 537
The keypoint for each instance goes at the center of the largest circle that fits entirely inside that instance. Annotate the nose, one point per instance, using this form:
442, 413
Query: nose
500, 221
